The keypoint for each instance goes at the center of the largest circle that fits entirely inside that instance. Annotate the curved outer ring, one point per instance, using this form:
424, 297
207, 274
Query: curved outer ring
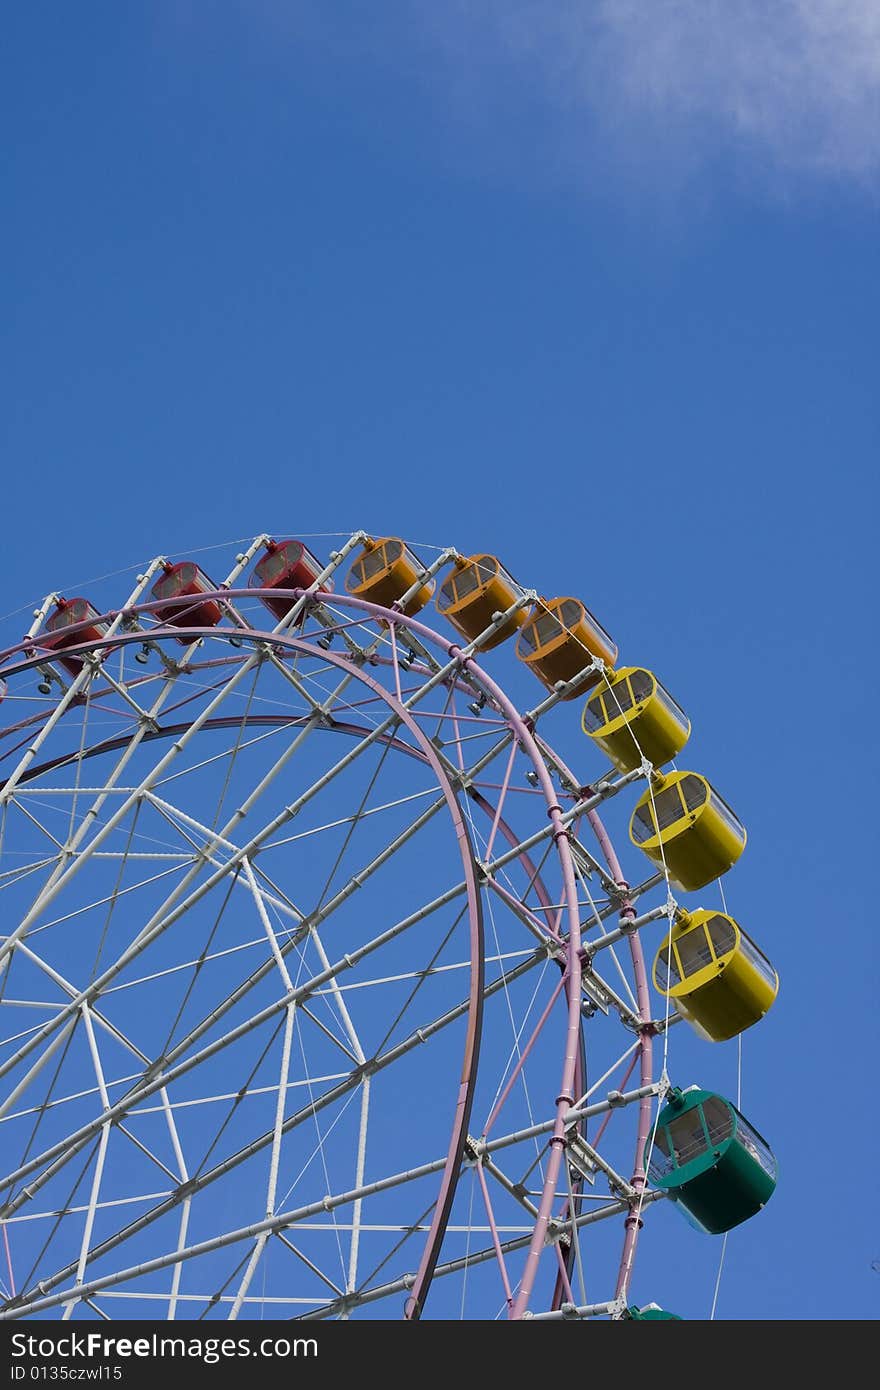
573, 972
633, 1222
464, 1100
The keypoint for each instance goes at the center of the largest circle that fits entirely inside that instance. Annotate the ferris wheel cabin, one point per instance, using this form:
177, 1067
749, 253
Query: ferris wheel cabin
186, 580
714, 974
651, 1312
633, 717
473, 592
560, 639
682, 821
710, 1160
73, 621
285, 565
384, 571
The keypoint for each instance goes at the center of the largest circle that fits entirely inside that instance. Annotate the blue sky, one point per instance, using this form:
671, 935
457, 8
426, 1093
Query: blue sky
595, 294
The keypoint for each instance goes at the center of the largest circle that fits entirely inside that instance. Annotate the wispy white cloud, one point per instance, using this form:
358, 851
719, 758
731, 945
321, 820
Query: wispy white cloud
797, 79
796, 83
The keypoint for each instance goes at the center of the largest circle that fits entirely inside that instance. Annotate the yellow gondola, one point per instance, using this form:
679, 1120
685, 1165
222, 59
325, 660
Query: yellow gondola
383, 572
633, 716
681, 819
714, 974
559, 638
476, 589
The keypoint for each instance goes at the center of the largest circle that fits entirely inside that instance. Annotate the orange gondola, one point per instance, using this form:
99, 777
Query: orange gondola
473, 592
560, 639
387, 569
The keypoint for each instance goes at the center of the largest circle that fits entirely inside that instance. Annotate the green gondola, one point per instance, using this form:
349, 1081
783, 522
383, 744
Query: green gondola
651, 1312
710, 1160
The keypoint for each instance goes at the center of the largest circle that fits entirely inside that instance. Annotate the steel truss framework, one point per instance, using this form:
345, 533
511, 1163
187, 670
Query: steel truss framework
307, 1024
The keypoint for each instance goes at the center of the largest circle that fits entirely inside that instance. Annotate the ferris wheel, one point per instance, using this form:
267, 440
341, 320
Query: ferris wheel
323, 986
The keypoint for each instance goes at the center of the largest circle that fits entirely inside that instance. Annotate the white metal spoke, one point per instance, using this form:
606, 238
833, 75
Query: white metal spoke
343, 1088
300, 1215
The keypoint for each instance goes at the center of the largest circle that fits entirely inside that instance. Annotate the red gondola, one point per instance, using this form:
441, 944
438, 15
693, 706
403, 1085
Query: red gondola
184, 580
285, 565
72, 613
